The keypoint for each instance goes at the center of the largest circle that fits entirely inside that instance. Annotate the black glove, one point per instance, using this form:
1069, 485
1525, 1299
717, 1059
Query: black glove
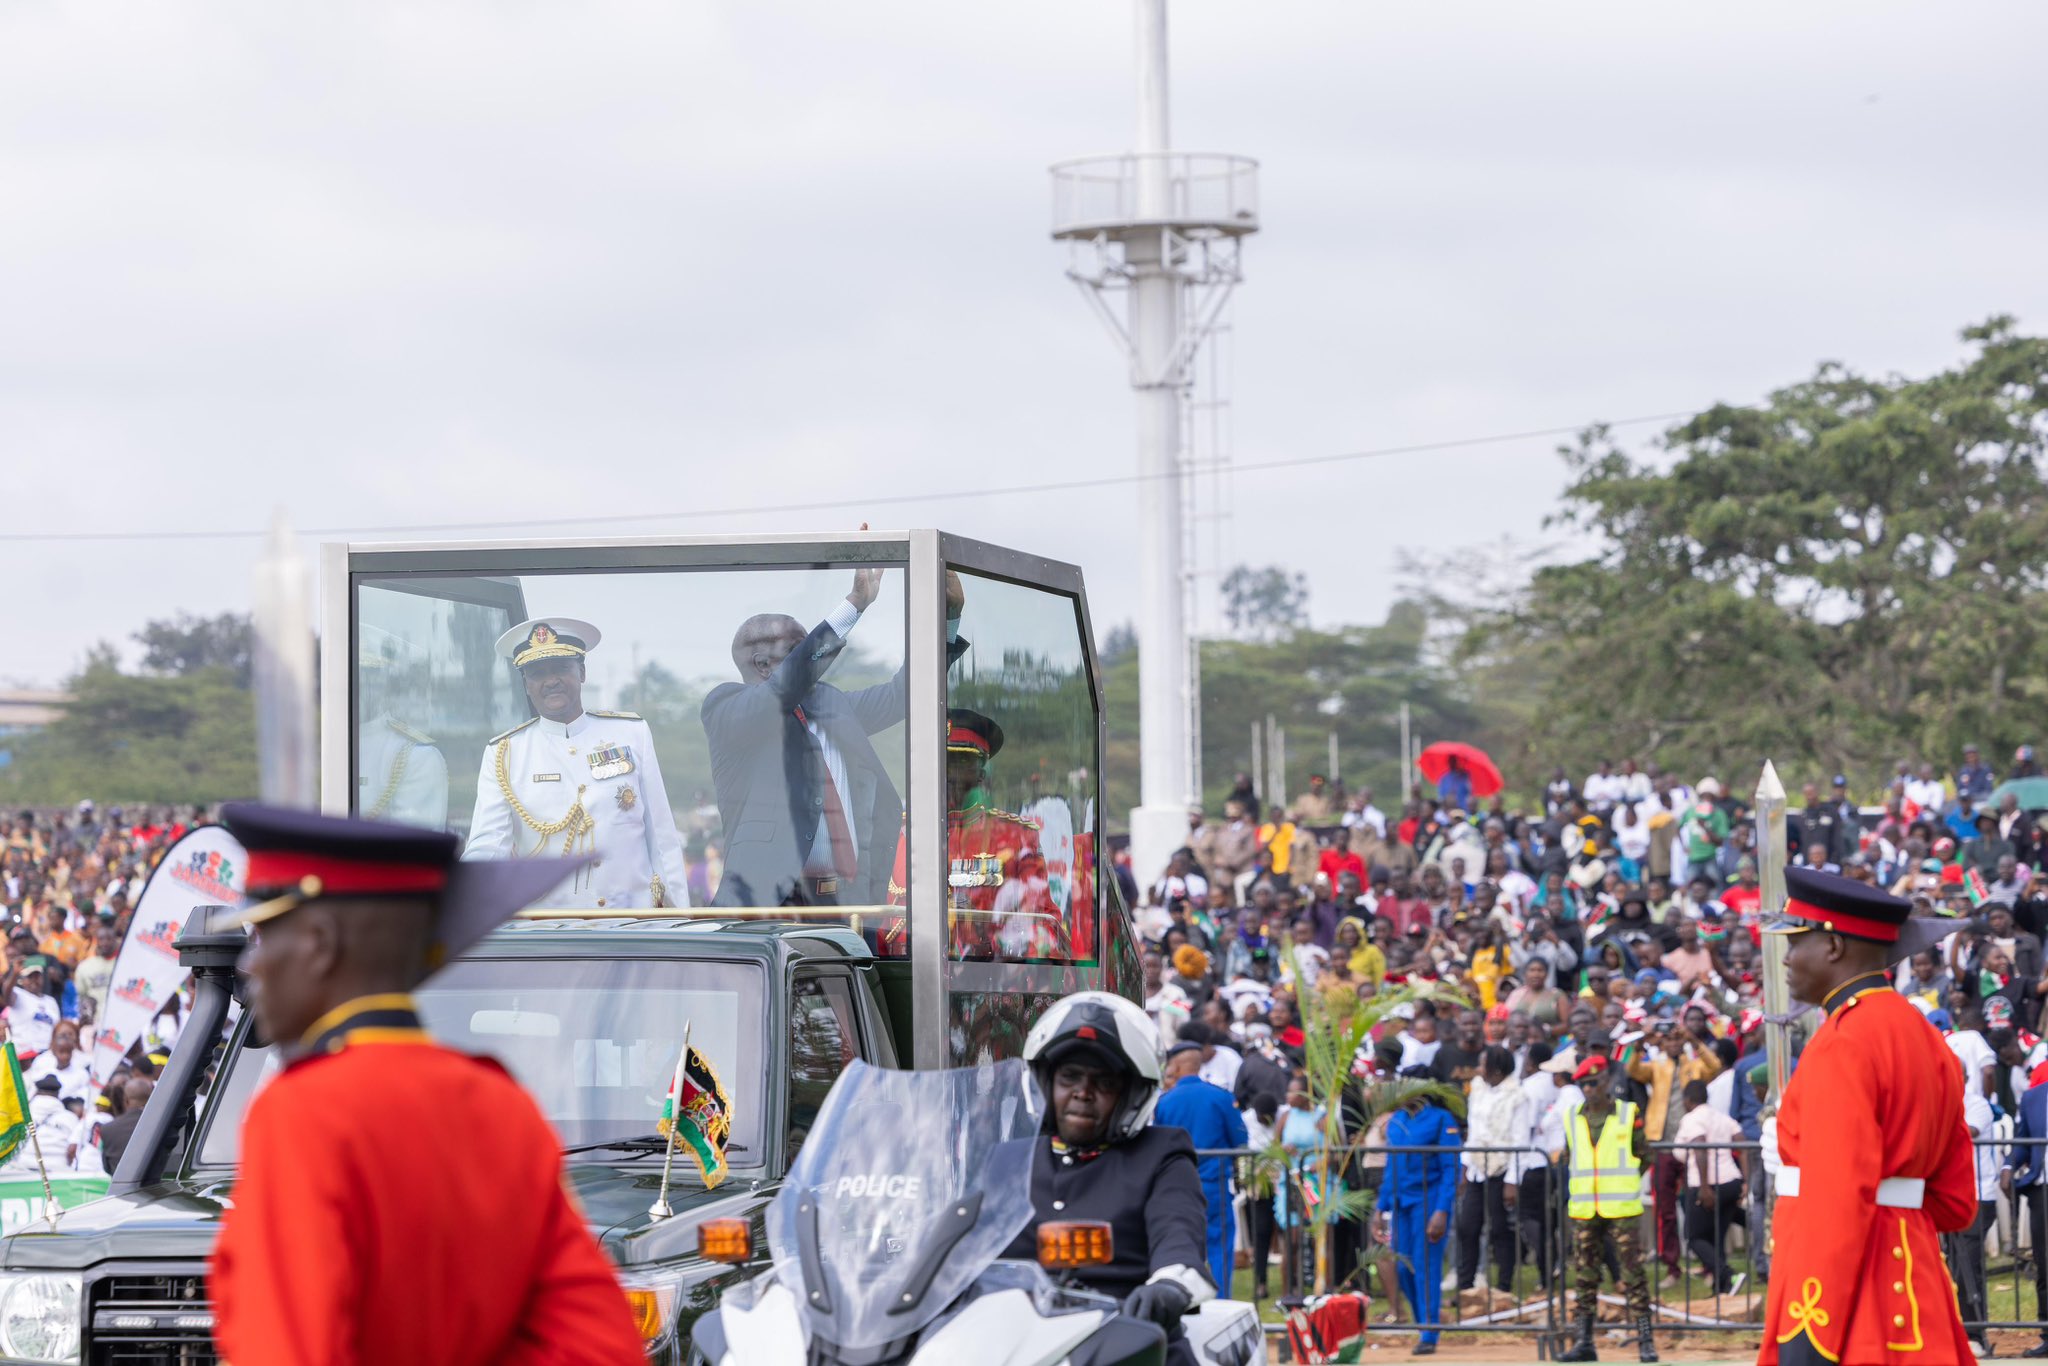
1161, 1302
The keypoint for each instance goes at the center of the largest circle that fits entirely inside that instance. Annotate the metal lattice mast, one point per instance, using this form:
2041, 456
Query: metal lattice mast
1163, 228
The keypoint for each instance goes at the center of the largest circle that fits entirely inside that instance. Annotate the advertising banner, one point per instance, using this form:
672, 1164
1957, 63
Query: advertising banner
21, 1195
203, 869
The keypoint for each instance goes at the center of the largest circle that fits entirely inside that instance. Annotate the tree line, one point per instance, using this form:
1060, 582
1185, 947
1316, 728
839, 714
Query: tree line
1852, 572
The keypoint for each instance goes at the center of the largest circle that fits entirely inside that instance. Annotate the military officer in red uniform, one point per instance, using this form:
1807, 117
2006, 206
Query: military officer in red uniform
1876, 1158
398, 1202
997, 897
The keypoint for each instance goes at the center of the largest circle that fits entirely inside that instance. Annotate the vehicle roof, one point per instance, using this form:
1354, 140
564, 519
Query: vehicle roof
688, 935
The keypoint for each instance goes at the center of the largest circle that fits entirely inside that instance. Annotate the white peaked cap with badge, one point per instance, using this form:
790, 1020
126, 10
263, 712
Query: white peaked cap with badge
548, 638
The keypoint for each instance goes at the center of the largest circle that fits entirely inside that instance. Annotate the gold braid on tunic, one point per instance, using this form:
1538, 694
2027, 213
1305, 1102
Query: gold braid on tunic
581, 830
398, 776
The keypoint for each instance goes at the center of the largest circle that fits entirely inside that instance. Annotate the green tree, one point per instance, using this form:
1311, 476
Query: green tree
1261, 604
126, 738
186, 644
1848, 573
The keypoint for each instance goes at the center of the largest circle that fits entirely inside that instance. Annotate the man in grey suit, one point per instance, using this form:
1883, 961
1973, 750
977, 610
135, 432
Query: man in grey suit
810, 815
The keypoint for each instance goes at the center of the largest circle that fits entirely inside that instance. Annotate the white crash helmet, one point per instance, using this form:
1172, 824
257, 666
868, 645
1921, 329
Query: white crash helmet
1116, 1031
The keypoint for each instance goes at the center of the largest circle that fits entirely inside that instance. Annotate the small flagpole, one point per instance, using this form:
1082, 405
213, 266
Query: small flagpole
51, 1209
660, 1210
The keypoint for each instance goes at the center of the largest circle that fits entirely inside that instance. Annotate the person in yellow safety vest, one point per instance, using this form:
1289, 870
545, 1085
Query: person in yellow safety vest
1604, 1165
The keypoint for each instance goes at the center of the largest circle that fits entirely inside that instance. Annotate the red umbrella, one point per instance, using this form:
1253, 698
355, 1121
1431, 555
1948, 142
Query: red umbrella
1484, 773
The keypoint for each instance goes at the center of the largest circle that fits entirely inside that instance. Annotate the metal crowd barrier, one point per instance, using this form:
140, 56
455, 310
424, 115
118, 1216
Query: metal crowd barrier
2007, 1294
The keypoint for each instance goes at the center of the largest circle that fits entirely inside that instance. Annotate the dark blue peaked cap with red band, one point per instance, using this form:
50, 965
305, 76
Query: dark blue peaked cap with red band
293, 857
1841, 905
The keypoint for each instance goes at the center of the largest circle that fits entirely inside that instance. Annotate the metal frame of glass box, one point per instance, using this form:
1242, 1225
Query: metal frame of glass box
934, 977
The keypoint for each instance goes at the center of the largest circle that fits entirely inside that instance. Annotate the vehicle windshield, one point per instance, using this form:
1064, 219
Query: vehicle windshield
593, 1040
872, 1202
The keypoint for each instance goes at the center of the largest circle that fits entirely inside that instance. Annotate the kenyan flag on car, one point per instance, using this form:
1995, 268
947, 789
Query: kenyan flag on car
697, 1114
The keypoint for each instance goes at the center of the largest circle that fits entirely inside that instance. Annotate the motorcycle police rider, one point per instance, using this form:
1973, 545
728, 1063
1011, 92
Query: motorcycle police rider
1099, 1158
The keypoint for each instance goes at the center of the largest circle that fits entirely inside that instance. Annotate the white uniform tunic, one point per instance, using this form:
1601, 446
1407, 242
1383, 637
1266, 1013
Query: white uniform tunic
404, 778
588, 786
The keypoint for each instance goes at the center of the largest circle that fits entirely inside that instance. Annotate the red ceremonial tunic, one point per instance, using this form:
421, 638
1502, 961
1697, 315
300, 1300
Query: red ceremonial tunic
1877, 1094
400, 1203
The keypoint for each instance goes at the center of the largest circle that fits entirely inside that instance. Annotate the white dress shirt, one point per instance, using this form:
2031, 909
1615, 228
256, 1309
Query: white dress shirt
1497, 1117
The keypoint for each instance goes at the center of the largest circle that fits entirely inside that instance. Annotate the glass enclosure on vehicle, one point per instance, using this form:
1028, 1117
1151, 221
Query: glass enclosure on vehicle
901, 732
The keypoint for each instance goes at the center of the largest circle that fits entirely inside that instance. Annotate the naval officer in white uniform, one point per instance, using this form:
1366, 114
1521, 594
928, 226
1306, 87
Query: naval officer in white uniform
571, 781
401, 774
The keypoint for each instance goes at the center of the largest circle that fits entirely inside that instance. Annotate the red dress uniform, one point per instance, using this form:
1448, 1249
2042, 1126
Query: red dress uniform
1877, 1094
400, 1203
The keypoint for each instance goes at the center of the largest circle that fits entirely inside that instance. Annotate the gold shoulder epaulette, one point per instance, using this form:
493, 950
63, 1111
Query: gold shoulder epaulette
619, 715
418, 737
1015, 818
512, 732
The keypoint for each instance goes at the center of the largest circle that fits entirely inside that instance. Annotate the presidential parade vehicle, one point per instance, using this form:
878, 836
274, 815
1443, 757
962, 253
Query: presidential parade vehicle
839, 799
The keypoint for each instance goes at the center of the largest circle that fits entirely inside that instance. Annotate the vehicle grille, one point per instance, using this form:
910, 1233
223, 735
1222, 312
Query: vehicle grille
147, 1317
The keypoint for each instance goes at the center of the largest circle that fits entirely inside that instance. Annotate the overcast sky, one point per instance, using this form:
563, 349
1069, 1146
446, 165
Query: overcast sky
419, 262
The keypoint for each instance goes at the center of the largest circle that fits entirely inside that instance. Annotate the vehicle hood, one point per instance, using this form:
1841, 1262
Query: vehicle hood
179, 1220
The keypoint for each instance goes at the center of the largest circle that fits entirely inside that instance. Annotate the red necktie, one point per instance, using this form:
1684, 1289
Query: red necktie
844, 859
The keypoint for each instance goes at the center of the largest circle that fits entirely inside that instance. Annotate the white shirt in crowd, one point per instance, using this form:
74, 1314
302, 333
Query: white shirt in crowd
1550, 1117
1603, 790
1633, 840
1927, 794
1221, 1069
1977, 1115
1975, 1055
86, 1155
76, 1079
1634, 786
1369, 816
54, 1128
1518, 889
1417, 1054
30, 1021
1721, 1091
1496, 1117
1713, 1166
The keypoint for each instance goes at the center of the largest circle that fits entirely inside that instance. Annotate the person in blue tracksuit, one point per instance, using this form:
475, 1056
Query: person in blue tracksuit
1212, 1120
1415, 1201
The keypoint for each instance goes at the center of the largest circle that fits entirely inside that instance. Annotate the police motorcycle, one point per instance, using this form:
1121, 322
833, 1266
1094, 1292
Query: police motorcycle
887, 1242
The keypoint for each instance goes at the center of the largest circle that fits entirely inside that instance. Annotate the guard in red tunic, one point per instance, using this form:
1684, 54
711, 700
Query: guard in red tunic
1876, 1156
398, 1202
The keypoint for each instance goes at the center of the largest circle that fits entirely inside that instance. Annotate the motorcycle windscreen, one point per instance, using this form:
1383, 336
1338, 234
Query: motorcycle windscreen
908, 1185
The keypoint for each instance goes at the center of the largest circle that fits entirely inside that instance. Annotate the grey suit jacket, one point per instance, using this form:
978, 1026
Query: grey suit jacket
769, 776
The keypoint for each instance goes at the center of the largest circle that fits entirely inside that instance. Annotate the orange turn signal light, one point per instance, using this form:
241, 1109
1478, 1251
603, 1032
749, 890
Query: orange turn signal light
647, 1315
725, 1240
1067, 1244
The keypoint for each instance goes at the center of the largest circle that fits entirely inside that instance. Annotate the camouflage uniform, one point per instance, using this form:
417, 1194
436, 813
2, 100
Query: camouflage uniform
1589, 1248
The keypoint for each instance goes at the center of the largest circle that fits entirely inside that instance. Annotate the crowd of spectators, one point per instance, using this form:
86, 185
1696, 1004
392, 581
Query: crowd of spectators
1614, 917
69, 879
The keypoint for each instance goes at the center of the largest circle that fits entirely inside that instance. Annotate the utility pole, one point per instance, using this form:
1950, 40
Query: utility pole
1258, 759
1164, 228
1407, 771
1770, 873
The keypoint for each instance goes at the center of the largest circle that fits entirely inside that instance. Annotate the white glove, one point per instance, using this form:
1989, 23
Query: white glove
1772, 1162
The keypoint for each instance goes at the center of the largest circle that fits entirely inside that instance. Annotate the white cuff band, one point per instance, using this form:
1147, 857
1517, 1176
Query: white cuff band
1196, 1283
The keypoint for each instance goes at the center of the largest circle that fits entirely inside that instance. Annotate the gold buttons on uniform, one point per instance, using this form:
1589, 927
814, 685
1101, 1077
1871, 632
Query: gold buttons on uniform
1898, 1252
1898, 1320
1898, 1287
600, 901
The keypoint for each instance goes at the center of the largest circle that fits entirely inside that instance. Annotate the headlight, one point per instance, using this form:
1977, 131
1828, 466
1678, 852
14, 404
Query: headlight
39, 1315
653, 1295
